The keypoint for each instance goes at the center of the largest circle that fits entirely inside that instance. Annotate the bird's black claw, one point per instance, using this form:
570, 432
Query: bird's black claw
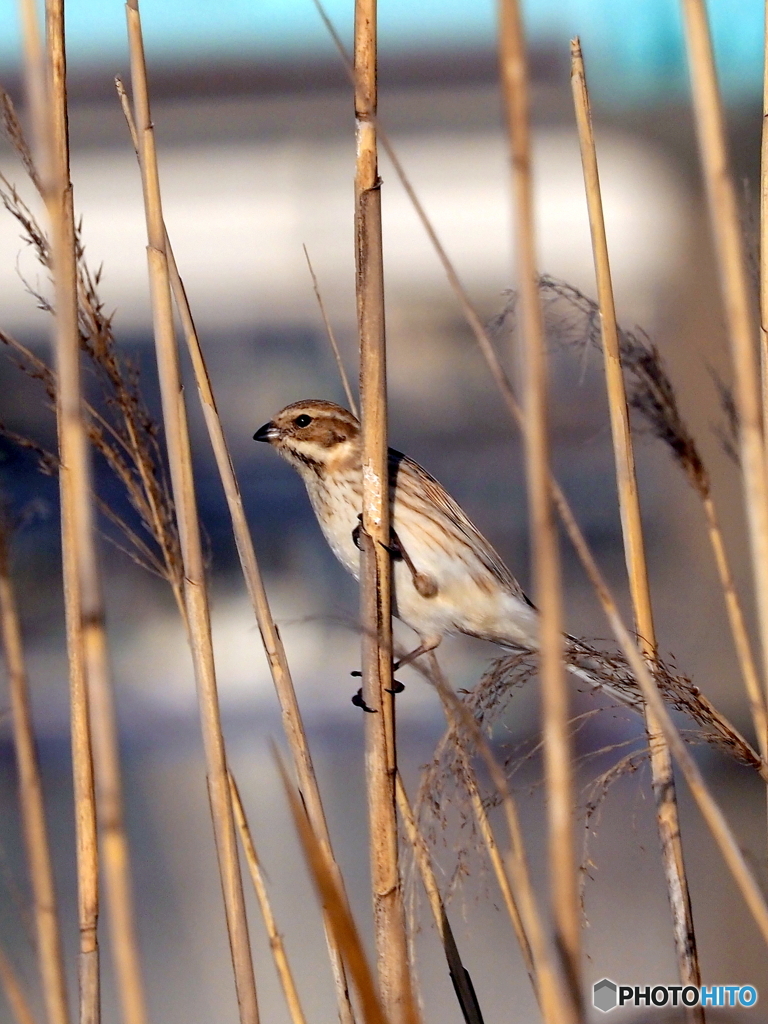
395, 548
357, 530
356, 674
358, 701
397, 687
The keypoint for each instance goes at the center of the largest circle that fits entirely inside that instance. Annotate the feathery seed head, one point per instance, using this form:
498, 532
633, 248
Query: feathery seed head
314, 436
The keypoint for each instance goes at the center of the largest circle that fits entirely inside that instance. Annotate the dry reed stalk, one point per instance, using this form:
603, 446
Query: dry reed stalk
293, 725
667, 816
375, 575
553, 989
14, 993
708, 806
462, 982
462, 766
545, 556
729, 247
49, 950
88, 624
276, 943
86, 828
331, 336
195, 593
497, 863
332, 897
738, 628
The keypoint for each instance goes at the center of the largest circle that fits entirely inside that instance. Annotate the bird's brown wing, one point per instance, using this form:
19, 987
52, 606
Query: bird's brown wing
430, 491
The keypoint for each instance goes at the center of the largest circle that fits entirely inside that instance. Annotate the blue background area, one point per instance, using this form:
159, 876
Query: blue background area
634, 47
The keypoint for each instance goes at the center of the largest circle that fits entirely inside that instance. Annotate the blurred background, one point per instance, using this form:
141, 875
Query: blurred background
254, 124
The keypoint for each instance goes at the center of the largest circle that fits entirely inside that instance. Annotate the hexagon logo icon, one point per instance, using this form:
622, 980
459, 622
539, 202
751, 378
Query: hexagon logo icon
604, 995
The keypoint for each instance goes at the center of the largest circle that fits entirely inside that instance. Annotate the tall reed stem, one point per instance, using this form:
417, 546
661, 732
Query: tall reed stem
729, 247
276, 943
87, 629
376, 598
738, 626
49, 951
343, 925
195, 593
462, 983
86, 829
667, 816
550, 984
497, 863
546, 563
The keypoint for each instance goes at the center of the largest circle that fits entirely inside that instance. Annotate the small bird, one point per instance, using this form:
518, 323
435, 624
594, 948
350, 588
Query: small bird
446, 577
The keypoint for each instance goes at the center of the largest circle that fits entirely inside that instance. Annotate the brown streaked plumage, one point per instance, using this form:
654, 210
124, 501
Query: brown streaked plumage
448, 578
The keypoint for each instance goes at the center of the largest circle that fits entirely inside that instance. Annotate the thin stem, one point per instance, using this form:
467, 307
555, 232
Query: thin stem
555, 1000
497, 863
86, 829
546, 562
376, 596
729, 247
195, 593
462, 982
738, 628
331, 336
340, 916
276, 943
667, 816
49, 951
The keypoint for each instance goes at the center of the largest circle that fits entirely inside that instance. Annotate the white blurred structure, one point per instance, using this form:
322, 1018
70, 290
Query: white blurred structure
238, 215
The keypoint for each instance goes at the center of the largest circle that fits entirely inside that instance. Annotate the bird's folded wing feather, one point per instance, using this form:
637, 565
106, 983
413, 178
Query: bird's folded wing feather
430, 492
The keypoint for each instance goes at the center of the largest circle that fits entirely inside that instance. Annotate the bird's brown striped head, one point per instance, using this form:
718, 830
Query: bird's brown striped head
314, 436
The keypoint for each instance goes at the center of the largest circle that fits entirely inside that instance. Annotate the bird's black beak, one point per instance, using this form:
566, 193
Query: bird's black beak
269, 432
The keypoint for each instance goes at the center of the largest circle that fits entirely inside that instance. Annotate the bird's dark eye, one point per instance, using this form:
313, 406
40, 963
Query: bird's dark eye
303, 420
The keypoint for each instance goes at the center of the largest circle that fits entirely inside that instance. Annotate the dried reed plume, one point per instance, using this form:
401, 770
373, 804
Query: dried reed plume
124, 433
575, 320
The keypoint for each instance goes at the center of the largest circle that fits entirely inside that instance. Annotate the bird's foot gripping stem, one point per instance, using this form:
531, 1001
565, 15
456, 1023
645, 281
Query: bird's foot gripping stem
359, 701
